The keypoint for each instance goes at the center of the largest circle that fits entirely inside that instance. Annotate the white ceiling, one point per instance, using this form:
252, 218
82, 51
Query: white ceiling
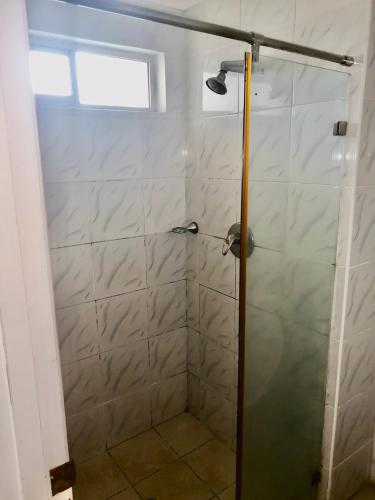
170, 4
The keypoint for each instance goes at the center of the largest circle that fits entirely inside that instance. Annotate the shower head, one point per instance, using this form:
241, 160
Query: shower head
217, 83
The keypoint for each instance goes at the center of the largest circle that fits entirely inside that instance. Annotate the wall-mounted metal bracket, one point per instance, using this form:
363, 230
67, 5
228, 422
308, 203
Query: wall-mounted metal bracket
62, 477
340, 128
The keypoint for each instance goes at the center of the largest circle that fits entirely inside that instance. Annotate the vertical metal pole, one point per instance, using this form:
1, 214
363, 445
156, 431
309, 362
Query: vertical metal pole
243, 267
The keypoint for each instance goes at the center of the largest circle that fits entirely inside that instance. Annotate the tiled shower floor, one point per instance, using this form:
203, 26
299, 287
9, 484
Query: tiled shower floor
177, 460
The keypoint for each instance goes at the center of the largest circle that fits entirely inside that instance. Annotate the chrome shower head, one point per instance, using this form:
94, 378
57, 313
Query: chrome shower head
217, 83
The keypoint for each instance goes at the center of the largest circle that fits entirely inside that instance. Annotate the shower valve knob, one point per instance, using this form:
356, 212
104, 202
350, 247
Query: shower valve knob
232, 242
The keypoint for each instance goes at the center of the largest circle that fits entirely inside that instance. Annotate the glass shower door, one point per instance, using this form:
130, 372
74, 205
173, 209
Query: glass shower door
295, 178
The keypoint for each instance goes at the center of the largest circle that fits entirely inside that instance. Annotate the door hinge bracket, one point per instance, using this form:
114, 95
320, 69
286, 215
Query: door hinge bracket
62, 477
340, 128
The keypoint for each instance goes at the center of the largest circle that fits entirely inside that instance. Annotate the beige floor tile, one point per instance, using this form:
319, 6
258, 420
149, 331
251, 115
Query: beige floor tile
98, 478
174, 482
215, 464
366, 493
184, 433
229, 494
126, 495
142, 455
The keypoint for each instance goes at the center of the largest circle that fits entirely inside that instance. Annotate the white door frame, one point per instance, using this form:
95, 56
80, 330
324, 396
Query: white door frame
31, 356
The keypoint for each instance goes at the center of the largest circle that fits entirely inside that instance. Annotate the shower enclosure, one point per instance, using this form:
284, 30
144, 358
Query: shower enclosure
193, 235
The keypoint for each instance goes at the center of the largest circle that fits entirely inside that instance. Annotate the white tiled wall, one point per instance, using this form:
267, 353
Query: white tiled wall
119, 275
114, 187
126, 290
312, 197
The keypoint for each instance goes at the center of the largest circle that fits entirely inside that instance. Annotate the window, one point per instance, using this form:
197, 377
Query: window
98, 76
112, 81
50, 73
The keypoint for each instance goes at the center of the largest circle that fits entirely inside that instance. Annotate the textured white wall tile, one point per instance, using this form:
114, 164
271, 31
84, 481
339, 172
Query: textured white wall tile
122, 319
164, 148
308, 290
220, 148
176, 82
339, 30
192, 298
267, 348
363, 245
63, 144
215, 270
327, 436
192, 130
265, 283
167, 307
119, 266
192, 256
68, 213
268, 202
72, 275
83, 385
270, 144
348, 477
366, 167
217, 316
354, 426
164, 203
317, 156
125, 370
345, 224
333, 365
338, 302
370, 76
87, 433
115, 146
166, 258
128, 416
313, 85
275, 19
168, 354
360, 307
313, 218
116, 210
221, 207
217, 367
77, 332
195, 194
357, 369
169, 398
193, 403
217, 413
193, 341
271, 85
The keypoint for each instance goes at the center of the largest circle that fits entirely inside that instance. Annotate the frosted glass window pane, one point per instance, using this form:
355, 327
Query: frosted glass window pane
112, 81
50, 73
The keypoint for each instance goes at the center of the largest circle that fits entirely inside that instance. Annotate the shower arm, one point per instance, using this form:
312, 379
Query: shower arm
233, 66
255, 39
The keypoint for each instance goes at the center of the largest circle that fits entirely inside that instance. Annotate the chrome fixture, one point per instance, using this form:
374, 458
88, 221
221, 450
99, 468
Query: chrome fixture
340, 128
217, 83
233, 241
257, 40
191, 228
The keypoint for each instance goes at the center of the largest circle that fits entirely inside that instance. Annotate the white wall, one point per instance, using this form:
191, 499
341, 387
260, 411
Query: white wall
114, 187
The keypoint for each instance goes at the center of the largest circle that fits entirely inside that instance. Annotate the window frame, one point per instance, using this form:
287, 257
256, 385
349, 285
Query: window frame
155, 63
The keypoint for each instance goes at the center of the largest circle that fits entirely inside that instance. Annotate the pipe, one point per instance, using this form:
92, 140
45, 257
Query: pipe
119, 7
